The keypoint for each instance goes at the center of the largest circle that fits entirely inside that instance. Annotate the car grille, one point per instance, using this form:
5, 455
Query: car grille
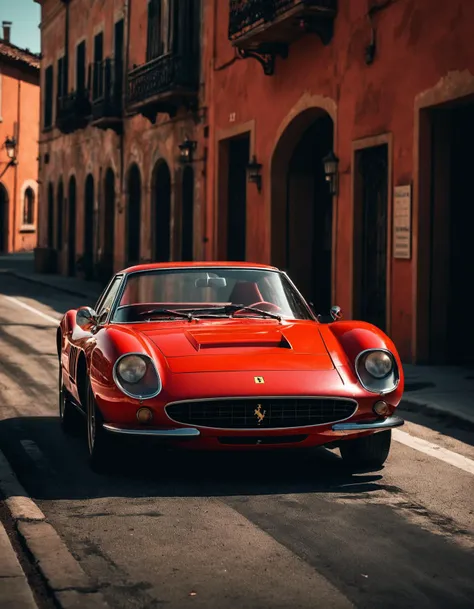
266, 413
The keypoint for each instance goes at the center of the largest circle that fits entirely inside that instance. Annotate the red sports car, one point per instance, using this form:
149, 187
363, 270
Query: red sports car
225, 356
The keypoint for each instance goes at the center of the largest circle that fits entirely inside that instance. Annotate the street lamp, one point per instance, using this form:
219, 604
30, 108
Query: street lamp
253, 173
186, 150
331, 163
10, 146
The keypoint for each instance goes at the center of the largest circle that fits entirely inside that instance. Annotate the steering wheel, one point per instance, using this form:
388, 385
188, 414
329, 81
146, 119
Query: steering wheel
269, 307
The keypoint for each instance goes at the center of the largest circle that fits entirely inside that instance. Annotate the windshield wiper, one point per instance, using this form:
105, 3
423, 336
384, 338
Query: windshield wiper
169, 313
231, 309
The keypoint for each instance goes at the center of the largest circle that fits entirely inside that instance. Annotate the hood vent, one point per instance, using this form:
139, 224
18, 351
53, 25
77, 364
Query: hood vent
221, 340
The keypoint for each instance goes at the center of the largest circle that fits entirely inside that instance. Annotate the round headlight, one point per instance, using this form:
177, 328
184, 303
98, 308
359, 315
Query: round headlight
131, 369
378, 364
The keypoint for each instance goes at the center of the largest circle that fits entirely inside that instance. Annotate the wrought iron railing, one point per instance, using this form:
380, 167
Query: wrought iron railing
164, 74
245, 14
106, 89
73, 109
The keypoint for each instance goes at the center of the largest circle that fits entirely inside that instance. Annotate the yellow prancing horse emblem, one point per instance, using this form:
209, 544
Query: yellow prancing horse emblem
259, 414
258, 379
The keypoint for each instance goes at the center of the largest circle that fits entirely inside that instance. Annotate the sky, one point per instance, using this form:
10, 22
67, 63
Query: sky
25, 15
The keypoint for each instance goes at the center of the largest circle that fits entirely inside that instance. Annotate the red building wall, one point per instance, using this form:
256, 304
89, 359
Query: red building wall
19, 117
424, 52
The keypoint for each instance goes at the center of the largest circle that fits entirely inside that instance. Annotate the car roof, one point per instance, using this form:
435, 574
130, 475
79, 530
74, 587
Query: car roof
206, 264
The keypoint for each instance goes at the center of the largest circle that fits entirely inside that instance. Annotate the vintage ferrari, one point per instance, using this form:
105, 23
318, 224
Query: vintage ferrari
224, 356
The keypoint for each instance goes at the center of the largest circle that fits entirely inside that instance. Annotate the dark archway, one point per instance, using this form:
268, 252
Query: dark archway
60, 216
109, 223
50, 215
4, 211
187, 227
71, 225
134, 199
88, 262
161, 212
301, 237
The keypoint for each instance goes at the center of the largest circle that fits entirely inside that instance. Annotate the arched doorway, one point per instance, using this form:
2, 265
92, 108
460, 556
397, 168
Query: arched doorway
161, 212
134, 197
59, 216
301, 228
71, 233
109, 223
3, 219
187, 219
89, 227
50, 215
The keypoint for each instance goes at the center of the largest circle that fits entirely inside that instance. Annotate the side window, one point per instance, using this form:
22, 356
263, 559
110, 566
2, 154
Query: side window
106, 301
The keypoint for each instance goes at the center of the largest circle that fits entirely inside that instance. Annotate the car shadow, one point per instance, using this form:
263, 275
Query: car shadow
60, 469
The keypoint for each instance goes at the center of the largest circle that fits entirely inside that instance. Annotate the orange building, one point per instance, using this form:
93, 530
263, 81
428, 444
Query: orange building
19, 130
386, 89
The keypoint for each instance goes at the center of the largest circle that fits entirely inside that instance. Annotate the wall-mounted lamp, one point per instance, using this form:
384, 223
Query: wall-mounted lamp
253, 173
331, 163
186, 150
10, 147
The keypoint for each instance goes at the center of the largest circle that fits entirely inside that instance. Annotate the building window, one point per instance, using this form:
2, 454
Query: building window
81, 66
61, 78
29, 207
98, 81
48, 97
159, 28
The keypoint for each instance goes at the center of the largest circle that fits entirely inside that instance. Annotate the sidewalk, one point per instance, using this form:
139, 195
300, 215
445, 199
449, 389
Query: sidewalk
22, 265
447, 390
15, 592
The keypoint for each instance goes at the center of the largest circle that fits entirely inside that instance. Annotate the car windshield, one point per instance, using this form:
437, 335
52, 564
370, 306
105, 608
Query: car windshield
208, 292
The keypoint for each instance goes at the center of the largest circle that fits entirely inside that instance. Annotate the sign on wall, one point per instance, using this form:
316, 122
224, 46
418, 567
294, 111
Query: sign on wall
402, 222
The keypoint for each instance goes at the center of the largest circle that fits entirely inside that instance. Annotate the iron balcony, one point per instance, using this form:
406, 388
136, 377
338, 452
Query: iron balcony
260, 25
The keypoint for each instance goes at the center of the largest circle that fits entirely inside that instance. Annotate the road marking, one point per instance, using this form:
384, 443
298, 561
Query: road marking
22, 304
433, 450
35, 454
20, 505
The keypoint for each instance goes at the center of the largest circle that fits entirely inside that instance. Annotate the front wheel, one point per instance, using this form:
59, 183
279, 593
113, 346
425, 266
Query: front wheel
369, 451
98, 441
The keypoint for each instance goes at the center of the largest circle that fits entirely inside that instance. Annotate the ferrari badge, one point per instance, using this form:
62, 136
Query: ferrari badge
259, 379
259, 414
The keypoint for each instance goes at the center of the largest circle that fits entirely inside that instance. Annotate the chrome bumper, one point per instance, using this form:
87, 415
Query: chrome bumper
182, 432
379, 424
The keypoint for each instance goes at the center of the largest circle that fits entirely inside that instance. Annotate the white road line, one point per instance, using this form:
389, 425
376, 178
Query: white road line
22, 304
433, 450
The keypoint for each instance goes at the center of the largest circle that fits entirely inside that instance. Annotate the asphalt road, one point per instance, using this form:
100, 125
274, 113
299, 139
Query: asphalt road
286, 530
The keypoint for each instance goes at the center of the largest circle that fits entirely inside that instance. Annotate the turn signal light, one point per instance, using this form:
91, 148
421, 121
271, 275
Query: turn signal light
144, 415
382, 409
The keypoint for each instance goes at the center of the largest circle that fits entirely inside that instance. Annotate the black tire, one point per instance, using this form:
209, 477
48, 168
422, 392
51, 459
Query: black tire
367, 452
99, 443
68, 415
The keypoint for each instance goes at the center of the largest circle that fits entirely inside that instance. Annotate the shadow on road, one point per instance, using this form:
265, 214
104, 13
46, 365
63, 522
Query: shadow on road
148, 471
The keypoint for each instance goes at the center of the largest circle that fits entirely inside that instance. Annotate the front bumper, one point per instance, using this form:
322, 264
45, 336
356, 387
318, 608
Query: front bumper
377, 425
183, 433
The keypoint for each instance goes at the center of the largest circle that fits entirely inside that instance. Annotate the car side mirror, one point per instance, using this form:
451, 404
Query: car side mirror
86, 318
335, 314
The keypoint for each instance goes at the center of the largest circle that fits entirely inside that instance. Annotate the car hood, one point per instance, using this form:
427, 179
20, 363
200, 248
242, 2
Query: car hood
232, 346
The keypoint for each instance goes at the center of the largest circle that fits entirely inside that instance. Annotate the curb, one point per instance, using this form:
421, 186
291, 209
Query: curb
39, 281
434, 409
62, 574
